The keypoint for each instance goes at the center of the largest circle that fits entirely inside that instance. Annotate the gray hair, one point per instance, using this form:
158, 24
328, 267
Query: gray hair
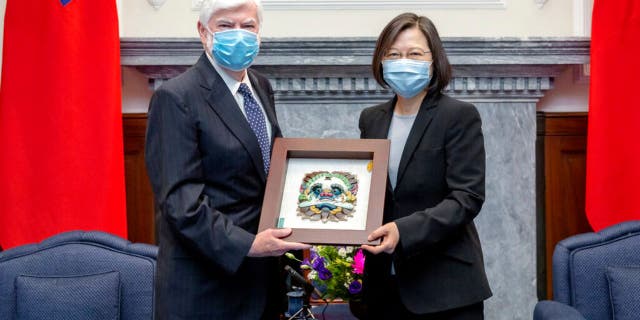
209, 8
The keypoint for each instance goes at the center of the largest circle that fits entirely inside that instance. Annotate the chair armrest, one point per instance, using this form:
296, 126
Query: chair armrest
553, 310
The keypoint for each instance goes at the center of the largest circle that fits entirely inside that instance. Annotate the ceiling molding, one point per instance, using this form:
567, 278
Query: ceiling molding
540, 3
373, 4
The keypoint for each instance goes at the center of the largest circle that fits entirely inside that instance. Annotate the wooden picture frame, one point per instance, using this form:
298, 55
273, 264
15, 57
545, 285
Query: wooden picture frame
294, 160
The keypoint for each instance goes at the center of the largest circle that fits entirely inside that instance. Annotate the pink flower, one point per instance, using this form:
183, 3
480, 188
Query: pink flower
358, 262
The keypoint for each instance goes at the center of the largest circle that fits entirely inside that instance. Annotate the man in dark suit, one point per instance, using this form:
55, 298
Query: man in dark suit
207, 153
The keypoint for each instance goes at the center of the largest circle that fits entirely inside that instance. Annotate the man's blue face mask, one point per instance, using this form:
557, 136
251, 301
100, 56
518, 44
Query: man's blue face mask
235, 49
406, 77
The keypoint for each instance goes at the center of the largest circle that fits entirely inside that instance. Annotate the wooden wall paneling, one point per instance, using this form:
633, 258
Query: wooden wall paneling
140, 204
562, 139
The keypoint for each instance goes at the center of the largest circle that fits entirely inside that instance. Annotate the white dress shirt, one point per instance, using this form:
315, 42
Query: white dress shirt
234, 85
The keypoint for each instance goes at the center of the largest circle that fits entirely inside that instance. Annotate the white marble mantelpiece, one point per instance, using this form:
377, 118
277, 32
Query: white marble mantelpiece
322, 84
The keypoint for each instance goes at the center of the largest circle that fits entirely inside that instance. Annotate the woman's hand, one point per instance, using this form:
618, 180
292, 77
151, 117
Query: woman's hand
390, 238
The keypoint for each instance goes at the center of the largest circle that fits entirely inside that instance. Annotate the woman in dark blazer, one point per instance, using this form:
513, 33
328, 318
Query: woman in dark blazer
429, 264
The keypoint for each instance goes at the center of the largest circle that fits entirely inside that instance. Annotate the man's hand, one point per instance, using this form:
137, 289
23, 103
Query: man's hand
390, 238
269, 243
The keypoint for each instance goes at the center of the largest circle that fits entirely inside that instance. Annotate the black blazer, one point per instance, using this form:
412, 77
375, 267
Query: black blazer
205, 167
439, 191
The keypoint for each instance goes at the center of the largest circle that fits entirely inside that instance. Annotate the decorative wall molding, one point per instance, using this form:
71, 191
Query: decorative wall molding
338, 70
156, 4
372, 4
358, 51
196, 5
540, 3
365, 89
582, 17
582, 73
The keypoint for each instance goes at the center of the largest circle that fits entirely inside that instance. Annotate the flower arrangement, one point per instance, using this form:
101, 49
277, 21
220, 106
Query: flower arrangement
336, 271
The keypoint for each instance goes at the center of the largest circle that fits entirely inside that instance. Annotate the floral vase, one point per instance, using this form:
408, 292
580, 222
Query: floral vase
358, 308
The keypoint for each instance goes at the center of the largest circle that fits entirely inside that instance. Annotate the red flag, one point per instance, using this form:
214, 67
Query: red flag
613, 145
62, 162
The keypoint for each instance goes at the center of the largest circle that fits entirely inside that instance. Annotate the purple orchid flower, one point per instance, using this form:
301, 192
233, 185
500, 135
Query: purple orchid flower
355, 287
324, 274
313, 254
318, 263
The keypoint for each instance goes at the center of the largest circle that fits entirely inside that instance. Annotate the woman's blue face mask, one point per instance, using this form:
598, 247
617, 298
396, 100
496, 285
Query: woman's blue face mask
235, 49
406, 77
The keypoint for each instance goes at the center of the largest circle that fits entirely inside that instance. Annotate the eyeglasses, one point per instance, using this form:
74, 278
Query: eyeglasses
413, 54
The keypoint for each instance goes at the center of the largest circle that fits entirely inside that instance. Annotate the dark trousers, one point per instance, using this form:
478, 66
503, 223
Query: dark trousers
390, 306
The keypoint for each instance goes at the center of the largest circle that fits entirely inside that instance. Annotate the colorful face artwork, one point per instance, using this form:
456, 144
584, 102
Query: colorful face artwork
328, 196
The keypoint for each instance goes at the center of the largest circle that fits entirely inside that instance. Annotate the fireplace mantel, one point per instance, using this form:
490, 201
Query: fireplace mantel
339, 68
357, 51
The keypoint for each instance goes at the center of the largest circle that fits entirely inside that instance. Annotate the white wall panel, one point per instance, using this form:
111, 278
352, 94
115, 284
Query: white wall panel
360, 18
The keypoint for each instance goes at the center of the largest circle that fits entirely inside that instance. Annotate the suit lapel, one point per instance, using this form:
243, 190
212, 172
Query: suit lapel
382, 131
224, 104
423, 119
386, 113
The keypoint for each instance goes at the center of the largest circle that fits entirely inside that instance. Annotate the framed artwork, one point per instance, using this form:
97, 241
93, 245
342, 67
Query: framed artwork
329, 191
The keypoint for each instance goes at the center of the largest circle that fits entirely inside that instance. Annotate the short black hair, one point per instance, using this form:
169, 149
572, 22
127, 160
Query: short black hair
440, 65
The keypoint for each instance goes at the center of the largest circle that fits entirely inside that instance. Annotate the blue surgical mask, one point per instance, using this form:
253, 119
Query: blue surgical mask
235, 49
406, 77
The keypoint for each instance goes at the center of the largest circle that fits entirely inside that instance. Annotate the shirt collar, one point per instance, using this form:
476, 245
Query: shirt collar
231, 83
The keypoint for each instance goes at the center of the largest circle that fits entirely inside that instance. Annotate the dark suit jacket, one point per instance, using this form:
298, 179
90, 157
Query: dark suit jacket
439, 191
206, 170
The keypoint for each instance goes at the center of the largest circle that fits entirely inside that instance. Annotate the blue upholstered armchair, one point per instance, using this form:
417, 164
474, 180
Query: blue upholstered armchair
596, 276
78, 275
